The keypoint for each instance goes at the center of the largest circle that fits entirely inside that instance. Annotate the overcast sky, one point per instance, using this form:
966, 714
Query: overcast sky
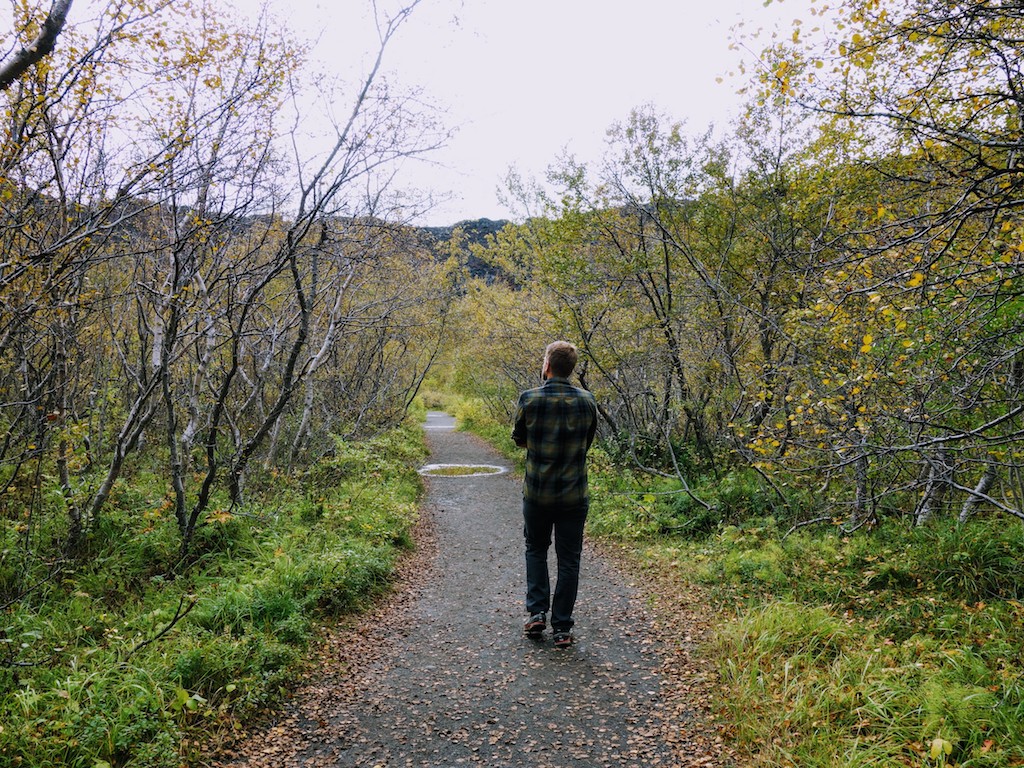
525, 80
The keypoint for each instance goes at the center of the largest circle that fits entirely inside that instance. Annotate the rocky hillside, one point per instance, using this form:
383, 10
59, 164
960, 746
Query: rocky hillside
473, 232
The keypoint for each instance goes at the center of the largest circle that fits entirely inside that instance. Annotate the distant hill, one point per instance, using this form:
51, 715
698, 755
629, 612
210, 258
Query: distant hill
476, 230
475, 233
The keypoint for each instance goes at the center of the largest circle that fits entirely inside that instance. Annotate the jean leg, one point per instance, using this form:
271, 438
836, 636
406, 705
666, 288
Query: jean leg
568, 526
537, 526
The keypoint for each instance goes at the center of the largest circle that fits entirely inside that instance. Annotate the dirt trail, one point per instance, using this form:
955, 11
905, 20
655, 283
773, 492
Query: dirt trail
442, 675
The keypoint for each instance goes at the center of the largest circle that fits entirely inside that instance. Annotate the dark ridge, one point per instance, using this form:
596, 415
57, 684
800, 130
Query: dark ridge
472, 232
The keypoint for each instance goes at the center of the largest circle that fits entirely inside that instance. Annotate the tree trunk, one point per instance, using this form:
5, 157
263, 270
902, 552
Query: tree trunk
935, 488
861, 513
969, 508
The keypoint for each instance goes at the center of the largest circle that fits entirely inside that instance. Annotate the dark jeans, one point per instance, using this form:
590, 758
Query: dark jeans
567, 524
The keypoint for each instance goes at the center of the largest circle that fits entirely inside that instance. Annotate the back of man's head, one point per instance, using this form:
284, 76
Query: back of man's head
561, 357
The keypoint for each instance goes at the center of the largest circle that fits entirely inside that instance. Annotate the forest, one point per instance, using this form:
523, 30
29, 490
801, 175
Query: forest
806, 340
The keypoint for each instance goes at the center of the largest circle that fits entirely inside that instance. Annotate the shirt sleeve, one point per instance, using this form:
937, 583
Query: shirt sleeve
592, 431
519, 424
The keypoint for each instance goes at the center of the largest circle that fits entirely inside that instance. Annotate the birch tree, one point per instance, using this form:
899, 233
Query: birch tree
924, 260
167, 282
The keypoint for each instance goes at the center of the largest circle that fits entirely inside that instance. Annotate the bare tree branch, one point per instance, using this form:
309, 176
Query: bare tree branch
179, 614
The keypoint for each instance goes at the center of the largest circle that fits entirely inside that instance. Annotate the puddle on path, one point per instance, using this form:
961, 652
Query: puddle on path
461, 470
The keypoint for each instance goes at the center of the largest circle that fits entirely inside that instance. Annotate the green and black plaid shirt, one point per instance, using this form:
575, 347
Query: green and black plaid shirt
556, 423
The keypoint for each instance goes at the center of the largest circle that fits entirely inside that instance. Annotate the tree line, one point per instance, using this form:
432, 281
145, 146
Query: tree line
181, 277
829, 297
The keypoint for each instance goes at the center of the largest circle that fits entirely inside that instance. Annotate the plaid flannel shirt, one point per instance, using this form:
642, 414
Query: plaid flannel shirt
556, 423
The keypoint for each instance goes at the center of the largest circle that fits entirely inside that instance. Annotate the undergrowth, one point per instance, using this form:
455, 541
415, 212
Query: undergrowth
892, 647
897, 646
126, 657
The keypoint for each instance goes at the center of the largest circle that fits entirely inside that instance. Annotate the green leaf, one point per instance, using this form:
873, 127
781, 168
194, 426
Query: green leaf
181, 698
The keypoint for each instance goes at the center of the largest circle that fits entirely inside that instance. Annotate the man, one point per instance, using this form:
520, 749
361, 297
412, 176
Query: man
556, 424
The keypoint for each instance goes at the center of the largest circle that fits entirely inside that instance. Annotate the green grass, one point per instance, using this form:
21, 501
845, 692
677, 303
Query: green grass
96, 674
890, 647
867, 649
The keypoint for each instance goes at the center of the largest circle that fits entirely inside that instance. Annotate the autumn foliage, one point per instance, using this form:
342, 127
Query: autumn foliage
817, 320
195, 308
830, 297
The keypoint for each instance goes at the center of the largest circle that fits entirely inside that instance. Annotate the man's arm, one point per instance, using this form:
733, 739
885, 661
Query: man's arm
592, 431
519, 426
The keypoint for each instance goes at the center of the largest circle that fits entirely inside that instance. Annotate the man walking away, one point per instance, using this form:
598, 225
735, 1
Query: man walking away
556, 424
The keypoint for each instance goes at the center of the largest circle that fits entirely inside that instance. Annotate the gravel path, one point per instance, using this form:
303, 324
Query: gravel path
442, 675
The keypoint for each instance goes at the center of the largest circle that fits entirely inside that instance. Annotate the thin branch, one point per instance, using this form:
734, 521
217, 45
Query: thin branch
975, 493
806, 523
179, 614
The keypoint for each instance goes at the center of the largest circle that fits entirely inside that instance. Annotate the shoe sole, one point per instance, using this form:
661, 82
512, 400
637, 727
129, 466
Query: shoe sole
535, 632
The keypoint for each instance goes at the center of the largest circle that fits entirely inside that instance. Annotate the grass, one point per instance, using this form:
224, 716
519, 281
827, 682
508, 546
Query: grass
870, 649
892, 647
100, 672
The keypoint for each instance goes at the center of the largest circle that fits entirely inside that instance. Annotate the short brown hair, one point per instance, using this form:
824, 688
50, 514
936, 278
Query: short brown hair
561, 356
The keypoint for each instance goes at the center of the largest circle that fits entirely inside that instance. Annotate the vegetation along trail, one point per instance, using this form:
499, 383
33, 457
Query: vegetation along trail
443, 675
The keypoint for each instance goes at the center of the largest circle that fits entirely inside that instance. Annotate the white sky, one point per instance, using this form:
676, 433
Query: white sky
526, 80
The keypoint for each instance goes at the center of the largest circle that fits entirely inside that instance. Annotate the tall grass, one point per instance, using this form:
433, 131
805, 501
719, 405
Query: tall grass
897, 647
100, 672
891, 647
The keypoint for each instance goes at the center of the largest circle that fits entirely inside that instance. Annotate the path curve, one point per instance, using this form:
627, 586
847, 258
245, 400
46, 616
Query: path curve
444, 677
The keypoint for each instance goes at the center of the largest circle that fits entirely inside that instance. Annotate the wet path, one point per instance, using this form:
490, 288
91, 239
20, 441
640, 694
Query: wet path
454, 682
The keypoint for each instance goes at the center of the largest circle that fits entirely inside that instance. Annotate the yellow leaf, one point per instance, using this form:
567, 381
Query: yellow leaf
940, 746
220, 516
916, 280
